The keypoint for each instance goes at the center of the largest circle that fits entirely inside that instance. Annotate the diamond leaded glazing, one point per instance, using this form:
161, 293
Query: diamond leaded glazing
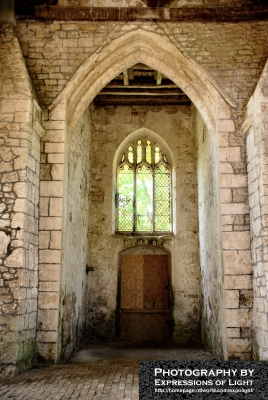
143, 198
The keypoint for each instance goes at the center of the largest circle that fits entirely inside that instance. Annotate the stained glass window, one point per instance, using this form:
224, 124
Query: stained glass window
143, 197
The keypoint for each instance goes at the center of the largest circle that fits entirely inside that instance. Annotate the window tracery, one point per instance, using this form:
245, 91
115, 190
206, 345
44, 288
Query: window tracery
143, 197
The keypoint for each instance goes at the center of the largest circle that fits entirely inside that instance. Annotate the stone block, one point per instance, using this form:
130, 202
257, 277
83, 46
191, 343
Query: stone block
53, 189
50, 223
46, 351
53, 135
55, 158
238, 281
238, 318
44, 238
46, 337
55, 241
226, 168
15, 259
224, 139
233, 332
226, 125
49, 287
240, 356
49, 272
55, 208
47, 320
234, 208
57, 172
239, 345
48, 300
4, 242
224, 113
49, 256
230, 154
226, 195
54, 147
20, 189
231, 298
236, 240
232, 181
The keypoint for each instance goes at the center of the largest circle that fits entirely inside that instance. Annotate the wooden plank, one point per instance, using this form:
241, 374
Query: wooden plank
221, 14
126, 80
143, 85
145, 92
144, 327
155, 282
159, 78
101, 101
131, 282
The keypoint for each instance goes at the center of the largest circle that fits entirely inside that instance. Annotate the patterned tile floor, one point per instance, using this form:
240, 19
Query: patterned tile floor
97, 371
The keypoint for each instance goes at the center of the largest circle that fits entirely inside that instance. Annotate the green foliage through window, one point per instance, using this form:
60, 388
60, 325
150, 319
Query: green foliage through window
143, 197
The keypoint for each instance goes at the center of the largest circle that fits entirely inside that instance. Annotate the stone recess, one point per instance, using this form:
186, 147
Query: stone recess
58, 252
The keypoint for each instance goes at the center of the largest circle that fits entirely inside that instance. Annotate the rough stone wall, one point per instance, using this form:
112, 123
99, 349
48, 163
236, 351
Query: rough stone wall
110, 126
20, 132
234, 54
211, 263
257, 148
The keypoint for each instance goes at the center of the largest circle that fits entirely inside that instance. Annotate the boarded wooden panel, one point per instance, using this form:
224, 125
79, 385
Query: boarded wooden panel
144, 326
144, 311
132, 282
155, 282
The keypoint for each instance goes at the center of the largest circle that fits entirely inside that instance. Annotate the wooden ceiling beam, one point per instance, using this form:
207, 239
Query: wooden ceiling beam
159, 78
125, 75
147, 92
258, 12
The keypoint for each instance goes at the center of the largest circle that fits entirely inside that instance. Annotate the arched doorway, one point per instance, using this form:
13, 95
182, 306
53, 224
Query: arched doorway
69, 110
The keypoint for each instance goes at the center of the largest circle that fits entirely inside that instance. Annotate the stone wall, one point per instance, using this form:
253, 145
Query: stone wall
110, 126
20, 132
233, 53
235, 236
256, 126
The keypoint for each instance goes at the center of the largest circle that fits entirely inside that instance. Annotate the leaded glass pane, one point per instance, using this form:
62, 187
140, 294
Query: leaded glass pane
162, 199
130, 154
148, 152
143, 196
144, 200
125, 198
157, 155
139, 151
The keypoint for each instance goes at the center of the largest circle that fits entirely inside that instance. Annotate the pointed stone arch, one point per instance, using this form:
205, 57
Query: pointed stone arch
156, 51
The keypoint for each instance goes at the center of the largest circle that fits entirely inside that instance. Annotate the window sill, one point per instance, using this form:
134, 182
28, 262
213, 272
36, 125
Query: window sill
144, 234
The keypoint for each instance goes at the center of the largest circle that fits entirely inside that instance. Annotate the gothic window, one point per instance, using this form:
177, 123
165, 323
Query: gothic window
143, 197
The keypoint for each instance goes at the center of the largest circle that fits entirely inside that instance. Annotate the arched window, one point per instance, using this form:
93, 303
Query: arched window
143, 195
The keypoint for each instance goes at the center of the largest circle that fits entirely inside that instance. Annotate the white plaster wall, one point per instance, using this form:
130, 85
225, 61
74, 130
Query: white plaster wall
111, 125
211, 264
75, 240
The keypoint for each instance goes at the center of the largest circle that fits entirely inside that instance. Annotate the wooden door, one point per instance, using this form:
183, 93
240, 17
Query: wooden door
144, 298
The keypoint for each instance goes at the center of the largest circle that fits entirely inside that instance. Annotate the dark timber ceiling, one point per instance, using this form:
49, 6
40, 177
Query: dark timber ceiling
141, 85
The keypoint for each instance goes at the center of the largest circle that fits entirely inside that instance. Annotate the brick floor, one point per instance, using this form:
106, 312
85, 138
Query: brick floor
99, 371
